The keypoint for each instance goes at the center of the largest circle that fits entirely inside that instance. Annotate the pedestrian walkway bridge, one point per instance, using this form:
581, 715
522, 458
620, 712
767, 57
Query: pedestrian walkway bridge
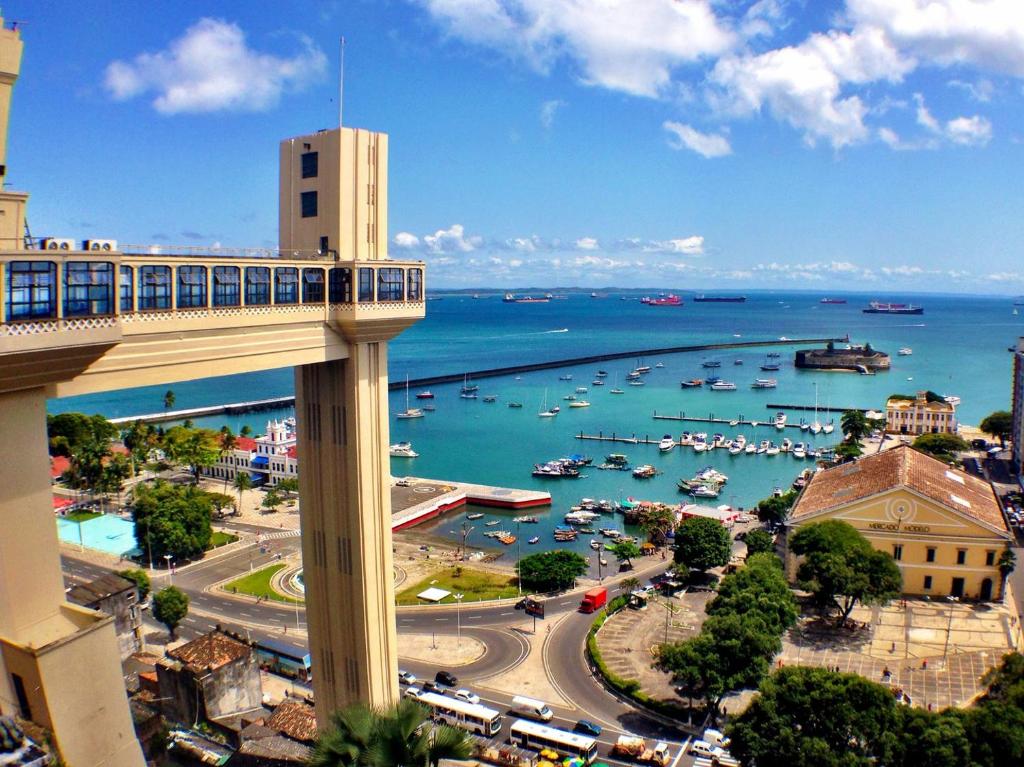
100, 317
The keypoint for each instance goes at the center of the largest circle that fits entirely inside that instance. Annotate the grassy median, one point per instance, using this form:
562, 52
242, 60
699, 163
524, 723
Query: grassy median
475, 585
257, 584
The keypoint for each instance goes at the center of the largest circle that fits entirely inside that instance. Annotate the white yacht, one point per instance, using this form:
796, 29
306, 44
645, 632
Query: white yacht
667, 444
750, 449
740, 441
409, 412
402, 450
579, 403
906, 351
723, 386
773, 449
780, 421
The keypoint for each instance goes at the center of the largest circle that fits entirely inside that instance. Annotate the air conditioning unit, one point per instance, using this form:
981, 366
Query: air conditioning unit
57, 243
99, 245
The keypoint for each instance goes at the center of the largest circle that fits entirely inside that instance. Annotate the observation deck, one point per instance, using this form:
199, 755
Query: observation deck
80, 321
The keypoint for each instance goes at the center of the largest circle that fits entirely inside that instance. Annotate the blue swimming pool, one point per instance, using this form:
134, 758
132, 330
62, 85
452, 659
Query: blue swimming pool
108, 533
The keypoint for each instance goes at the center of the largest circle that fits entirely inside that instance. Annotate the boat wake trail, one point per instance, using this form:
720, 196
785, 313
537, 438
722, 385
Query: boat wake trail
520, 335
560, 330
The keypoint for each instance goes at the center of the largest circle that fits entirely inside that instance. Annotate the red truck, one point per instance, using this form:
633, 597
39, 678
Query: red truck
594, 599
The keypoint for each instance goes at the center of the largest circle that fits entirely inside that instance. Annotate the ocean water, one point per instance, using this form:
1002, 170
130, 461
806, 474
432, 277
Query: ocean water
959, 347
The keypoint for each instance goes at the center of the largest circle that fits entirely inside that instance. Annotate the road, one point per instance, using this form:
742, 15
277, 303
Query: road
498, 627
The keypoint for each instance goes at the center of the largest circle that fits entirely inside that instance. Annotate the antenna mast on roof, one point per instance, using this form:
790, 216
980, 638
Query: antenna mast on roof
341, 80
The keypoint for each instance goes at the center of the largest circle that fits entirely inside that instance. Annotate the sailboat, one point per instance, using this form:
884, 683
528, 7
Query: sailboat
816, 424
409, 412
829, 427
615, 388
467, 391
544, 412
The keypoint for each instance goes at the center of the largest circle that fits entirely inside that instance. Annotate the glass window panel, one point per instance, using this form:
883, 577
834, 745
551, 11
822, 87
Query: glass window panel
191, 287
415, 292
257, 286
365, 285
126, 290
154, 287
31, 290
390, 284
227, 289
312, 286
286, 285
88, 288
340, 285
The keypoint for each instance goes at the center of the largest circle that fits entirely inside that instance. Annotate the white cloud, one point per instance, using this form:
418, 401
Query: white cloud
902, 271
622, 45
690, 246
988, 34
924, 117
802, 84
406, 240
705, 144
451, 240
548, 110
969, 131
1005, 277
981, 90
587, 243
762, 18
211, 68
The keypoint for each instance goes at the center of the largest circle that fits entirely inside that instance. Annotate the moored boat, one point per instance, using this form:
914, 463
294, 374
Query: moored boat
764, 383
402, 450
427, 394
723, 386
693, 383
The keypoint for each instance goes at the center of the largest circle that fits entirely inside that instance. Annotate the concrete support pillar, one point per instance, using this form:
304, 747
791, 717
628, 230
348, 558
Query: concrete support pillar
59, 663
345, 485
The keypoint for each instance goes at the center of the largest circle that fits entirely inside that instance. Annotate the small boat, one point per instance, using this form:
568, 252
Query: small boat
723, 386
693, 383
508, 539
737, 362
750, 449
429, 408
644, 472
636, 383
569, 397
515, 404
906, 351
667, 444
402, 450
787, 445
643, 368
596, 545
465, 395
659, 364
567, 377
579, 403
425, 395
556, 409
597, 382
711, 364
534, 539
734, 422
773, 449
771, 366
475, 515
409, 412
616, 391
581, 389
764, 383
780, 421
704, 491
544, 411
493, 522
601, 373
466, 387
526, 520
610, 532
828, 428
490, 398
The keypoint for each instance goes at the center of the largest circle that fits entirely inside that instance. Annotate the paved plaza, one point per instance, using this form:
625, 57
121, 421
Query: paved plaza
935, 652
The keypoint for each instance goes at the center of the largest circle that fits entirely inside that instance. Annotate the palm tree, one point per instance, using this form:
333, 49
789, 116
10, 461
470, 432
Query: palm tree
400, 736
228, 441
242, 483
1007, 564
855, 425
657, 524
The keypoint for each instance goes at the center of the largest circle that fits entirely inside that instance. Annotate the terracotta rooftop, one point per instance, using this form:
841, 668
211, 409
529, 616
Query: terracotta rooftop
210, 651
901, 467
295, 719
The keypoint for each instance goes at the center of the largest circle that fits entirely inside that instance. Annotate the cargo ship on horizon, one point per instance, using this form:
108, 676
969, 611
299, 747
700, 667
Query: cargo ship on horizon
878, 307
832, 301
719, 299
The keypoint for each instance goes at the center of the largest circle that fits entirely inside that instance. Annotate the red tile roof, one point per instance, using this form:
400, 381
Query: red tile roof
901, 467
293, 452
245, 443
210, 651
58, 465
295, 719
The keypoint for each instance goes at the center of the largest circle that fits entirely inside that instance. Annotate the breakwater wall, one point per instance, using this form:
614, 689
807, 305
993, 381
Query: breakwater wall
289, 401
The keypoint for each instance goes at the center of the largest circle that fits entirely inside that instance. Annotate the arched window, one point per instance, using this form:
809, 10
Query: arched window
286, 285
154, 287
312, 286
257, 286
227, 288
88, 288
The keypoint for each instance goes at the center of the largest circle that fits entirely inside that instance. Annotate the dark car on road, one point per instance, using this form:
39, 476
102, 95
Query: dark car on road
587, 728
446, 678
429, 686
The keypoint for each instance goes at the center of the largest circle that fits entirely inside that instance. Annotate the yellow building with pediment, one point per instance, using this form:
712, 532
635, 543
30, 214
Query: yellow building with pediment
944, 528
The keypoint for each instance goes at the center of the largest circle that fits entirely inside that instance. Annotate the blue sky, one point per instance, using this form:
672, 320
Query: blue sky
855, 144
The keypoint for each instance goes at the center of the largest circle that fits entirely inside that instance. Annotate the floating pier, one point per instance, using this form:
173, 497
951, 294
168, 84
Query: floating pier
821, 408
422, 499
252, 406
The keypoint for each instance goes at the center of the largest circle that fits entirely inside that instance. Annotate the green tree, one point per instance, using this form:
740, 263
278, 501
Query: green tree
759, 542
847, 451
920, 737
855, 425
242, 482
841, 568
1005, 682
400, 736
140, 578
287, 485
758, 587
168, 400
196, 448
731, 653
625, 552
998, 424
810, 717
941, 446
170, 606
702, 543
775, 508
140, 438
272, 500
551, 570
219, 501
1007, 564
657, 523
996, 732
70, 431
170, 519
629, 585
245, 431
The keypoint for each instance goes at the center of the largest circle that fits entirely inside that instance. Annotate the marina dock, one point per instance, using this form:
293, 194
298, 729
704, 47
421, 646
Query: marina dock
741, 421
424, 499
253, 406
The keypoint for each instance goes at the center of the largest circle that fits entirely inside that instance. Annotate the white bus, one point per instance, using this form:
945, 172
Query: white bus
536, 736
459, 713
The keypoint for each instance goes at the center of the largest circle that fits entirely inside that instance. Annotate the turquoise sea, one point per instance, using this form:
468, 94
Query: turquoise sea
959, 347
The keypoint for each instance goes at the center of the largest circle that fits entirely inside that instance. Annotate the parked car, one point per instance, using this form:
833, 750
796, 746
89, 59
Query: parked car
587, 727
412, 692
446, 678
466, 695
429, 686
404, 677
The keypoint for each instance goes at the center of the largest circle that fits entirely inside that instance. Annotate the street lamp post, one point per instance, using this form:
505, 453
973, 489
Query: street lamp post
458, 619
519, 554
170, 573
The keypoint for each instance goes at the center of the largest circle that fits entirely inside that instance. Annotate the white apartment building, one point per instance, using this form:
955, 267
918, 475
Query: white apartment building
923, 414
268, 458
